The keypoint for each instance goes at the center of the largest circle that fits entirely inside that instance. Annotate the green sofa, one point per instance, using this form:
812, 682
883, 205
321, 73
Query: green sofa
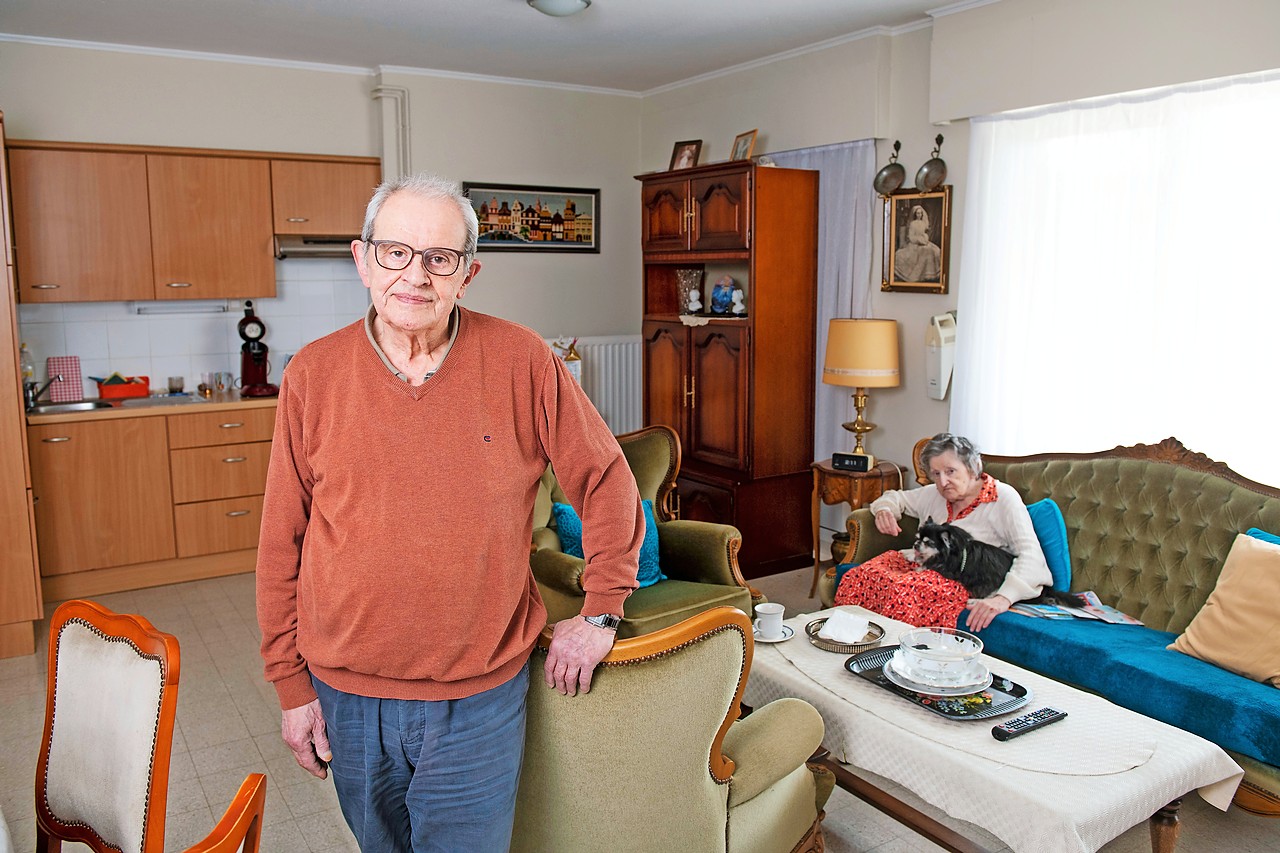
1148, 528
700, 559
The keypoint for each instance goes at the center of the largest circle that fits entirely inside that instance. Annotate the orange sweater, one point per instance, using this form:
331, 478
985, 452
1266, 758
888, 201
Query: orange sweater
394, 555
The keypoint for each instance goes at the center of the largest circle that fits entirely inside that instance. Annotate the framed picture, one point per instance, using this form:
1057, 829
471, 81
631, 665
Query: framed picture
917, 241
685, 154
517, 218
742, 145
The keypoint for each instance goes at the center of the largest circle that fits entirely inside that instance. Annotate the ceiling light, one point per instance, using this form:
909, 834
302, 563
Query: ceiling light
559, 8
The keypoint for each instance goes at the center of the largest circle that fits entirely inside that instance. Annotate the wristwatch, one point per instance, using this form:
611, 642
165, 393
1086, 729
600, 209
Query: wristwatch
605, 620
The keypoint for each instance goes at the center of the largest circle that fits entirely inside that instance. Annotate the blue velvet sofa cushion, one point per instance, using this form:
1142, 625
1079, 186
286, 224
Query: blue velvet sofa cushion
1130, 666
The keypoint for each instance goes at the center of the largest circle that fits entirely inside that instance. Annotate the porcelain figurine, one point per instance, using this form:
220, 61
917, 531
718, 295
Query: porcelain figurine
739, 308
722, 295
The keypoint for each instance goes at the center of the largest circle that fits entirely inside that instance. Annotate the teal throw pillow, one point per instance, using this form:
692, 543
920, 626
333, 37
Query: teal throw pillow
569, 528
1051, 530
1263, 535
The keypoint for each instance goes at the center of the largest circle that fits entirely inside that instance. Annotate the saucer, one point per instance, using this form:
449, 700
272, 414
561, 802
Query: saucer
787, 633
928, 689
973, 674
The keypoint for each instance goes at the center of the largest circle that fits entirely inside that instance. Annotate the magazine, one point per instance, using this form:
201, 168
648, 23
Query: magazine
1090, 608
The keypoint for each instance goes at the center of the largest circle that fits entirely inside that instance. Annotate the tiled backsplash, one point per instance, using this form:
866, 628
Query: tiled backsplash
314, 296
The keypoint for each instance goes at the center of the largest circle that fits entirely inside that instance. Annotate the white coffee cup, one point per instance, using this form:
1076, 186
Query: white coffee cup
769, 620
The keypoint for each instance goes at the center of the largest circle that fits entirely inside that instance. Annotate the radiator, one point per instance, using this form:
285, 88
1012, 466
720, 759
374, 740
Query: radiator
611, 376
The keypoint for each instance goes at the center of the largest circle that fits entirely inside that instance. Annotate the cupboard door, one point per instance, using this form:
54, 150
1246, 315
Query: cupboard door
664, 209
721, 211
81, 228
719, 372
701, 501
102, 494
321, 199
665, 374
210, 227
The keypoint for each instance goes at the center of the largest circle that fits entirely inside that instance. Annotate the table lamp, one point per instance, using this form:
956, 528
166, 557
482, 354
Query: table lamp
861, 354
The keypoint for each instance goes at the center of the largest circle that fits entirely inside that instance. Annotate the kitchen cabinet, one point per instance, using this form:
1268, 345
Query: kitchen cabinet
321, 199
210, 227
738, 390
706, 211
81, 226
20, 599
219, 462
102, 494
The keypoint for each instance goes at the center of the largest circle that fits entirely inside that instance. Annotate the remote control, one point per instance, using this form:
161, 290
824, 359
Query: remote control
1027, 722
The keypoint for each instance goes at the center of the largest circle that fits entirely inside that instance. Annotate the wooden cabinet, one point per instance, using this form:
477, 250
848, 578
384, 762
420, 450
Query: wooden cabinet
317, 199
102, 494
109, 223
210, 227
738, 390
81, 226
219, 462
704, 212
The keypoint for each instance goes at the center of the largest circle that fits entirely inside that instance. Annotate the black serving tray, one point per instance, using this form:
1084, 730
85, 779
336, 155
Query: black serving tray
1005, 695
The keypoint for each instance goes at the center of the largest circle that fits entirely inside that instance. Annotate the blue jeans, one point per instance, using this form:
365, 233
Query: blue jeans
427, 777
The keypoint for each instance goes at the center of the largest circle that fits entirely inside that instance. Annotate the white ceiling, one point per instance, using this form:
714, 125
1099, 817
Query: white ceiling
628, 45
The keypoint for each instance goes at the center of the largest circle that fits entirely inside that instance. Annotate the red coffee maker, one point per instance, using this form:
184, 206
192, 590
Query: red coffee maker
253, 356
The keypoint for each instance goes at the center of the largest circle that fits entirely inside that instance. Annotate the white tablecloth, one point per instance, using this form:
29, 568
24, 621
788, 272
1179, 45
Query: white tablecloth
1073, 786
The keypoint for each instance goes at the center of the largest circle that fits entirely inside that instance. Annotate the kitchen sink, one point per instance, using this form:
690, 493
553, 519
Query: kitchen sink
174, 400
67, 408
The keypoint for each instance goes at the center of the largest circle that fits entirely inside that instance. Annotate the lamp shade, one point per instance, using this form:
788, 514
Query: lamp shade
862, 354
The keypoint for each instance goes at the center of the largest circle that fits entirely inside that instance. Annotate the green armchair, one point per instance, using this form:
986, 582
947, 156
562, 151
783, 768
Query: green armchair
654, 757
700, 559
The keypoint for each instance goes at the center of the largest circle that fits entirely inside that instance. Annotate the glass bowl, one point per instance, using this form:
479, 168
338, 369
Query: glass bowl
940, 655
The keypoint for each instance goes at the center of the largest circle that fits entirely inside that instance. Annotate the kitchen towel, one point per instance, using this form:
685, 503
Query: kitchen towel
70, 389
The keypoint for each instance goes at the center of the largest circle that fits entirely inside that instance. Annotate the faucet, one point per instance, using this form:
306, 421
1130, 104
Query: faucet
31, 391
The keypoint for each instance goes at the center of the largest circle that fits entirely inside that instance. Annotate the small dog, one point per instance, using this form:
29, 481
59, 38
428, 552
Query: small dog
953, 553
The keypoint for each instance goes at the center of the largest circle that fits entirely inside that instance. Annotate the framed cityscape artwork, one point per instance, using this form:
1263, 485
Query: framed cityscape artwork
516, 218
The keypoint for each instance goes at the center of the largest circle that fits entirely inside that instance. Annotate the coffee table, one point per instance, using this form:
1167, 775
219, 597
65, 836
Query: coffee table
1069, 787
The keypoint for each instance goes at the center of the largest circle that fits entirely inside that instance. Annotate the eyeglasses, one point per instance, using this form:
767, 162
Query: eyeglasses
391, 255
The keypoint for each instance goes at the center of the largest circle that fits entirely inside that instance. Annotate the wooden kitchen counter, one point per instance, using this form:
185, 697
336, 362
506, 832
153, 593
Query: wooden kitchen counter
216, 403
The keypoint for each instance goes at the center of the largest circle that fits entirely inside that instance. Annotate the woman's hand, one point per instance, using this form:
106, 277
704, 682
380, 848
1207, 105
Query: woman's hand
887, 524
982, 611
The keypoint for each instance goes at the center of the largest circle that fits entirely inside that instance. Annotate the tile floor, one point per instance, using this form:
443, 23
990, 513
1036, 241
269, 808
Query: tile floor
228, 726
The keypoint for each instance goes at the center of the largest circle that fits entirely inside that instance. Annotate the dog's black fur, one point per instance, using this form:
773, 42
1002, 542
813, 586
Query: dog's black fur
953, 553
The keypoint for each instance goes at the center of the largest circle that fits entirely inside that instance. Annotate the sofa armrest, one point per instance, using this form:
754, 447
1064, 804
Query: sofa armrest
769, 744
700, 551
557, 570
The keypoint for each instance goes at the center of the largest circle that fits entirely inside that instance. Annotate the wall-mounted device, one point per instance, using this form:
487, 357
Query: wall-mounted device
940, 353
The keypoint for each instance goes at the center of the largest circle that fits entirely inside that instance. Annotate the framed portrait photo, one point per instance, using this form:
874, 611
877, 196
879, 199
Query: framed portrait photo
685, 154
742, 145
518, 218
917, 241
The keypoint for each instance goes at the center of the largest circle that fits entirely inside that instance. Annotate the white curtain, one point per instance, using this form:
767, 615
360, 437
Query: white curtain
1119, 279
845, 213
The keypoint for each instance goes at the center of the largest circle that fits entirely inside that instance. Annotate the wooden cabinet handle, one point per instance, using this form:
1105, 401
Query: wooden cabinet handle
237, 513
297, 219
231, 425
45, 286
235, 459
56, 439
178, 284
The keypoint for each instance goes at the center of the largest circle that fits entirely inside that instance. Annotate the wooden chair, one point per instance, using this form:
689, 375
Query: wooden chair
655, 757
103, 775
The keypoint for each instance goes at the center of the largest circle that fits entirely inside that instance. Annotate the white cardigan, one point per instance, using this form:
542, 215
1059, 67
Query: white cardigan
1003, 522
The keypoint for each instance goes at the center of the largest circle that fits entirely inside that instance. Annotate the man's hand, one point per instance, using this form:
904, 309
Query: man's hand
982, 611
303, 732
576, 648
887, 524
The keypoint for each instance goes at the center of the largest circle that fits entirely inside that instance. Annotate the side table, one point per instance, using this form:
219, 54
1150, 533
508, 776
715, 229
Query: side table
856, 488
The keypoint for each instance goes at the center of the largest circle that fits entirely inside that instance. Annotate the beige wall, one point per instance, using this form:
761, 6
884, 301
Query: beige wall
1026, 53
493, 132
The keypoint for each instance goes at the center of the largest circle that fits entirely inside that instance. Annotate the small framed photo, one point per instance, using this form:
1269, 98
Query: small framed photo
685, 154
917, 241
517, 218
742, 145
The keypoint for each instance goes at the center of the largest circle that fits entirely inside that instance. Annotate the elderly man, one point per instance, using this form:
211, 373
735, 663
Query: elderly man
394, 593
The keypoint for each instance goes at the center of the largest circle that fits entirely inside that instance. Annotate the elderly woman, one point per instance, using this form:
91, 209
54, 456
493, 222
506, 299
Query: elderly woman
993, 512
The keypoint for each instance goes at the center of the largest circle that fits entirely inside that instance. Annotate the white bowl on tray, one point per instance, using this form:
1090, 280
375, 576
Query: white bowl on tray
942, 657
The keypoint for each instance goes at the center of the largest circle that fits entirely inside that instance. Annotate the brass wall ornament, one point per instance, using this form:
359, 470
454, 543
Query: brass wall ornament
891, 176
934, 171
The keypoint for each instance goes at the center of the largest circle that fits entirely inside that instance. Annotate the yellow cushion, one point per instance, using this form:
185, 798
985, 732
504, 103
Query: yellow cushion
1239, 626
